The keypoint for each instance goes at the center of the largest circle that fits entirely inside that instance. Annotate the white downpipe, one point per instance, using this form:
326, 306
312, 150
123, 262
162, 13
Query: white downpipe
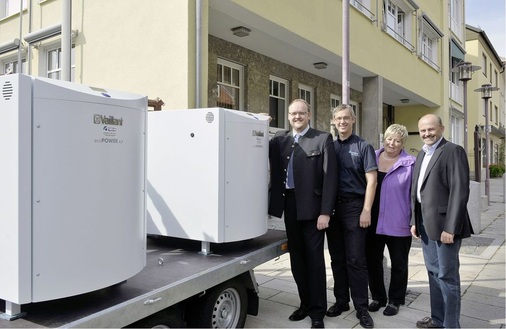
29, 51
20, 63
198, 52
346, 52
66, 40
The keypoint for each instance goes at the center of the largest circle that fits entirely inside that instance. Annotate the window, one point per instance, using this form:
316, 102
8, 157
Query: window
490, 65
490, 108
456, 128
278, 93
53, 56
496, 78
397, 21
496, 115
230, 82
484, 64
11, 66
335, 101
456, 10
356, 109
429, 42
364, 6
306, 93
10, 7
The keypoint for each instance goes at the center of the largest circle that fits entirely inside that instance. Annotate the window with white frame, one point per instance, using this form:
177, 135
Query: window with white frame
456, 15
484, 64
397, 21
53, 63
335, 101
356, 109
363, 6
307, 93
10, 66
456, 126
10, 7
429, 42
278, 102
230, 85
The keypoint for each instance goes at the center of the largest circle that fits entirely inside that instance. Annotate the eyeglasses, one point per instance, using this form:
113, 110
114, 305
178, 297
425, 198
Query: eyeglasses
294, 114
346, 118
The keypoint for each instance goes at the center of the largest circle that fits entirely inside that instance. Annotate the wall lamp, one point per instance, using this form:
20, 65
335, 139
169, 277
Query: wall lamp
241, 31
320, 65
486, 94
465, 71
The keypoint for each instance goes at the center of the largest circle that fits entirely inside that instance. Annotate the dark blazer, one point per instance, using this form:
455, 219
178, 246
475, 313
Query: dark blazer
314, 169
444, 192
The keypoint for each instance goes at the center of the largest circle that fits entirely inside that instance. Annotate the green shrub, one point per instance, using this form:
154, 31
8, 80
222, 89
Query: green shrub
496, 170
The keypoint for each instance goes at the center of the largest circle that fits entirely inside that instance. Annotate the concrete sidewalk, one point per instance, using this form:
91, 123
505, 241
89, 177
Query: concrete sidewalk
482, 271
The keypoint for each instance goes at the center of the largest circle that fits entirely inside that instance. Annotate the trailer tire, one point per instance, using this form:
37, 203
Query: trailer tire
167, 318
224, 306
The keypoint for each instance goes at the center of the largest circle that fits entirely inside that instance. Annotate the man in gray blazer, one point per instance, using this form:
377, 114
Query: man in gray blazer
439, 194
303, 187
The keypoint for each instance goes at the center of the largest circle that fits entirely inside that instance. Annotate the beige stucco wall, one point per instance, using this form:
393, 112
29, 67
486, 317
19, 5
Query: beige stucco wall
323, 25
152, 53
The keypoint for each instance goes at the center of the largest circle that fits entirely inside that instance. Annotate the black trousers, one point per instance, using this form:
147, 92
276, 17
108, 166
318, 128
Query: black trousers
398, 249
305, 244
346, 243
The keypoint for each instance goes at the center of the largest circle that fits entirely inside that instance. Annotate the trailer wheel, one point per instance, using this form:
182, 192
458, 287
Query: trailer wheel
224, 306
167, 318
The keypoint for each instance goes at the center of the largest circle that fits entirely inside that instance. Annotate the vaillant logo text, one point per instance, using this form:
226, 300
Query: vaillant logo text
107, 120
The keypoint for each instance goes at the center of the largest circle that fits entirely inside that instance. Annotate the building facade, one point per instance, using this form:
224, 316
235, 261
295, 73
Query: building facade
255, 55
481, 52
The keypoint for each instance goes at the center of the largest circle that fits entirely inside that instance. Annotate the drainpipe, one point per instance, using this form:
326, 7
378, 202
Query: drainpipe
346, 52
29, 50
20, 63
198, 51
66, 39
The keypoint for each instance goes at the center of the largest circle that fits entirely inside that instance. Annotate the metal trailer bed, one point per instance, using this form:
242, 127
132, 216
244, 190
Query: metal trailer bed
175, 271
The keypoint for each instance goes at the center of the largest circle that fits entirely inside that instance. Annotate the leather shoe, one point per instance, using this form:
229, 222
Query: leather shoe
298, 314
376, 305
317, 323
337, 309
426, 323
365, 319
391, 309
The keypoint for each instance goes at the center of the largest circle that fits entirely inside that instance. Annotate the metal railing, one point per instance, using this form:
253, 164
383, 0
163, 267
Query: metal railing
397, 37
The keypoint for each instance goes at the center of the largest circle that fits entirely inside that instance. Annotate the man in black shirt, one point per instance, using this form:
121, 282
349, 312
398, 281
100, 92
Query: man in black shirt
346, 235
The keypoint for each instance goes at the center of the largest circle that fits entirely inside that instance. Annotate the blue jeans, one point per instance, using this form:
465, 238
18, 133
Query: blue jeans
442, 263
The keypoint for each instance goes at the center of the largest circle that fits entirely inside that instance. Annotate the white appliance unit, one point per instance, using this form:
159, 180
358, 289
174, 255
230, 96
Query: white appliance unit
207, 174
72, 202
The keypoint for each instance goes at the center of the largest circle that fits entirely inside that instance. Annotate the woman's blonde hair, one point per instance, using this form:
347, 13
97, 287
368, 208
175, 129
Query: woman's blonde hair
397, 129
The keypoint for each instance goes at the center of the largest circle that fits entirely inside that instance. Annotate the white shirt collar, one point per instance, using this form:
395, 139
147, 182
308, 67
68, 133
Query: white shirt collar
302, 133
429, 150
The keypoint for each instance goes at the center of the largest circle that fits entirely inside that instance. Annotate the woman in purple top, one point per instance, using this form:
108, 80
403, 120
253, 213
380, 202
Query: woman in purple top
390, 217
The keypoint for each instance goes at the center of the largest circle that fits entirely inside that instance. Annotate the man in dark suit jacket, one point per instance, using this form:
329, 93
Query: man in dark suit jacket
439, 194
303, 187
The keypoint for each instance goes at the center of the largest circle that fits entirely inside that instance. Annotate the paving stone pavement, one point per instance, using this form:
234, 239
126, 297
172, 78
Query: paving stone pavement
482, 271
